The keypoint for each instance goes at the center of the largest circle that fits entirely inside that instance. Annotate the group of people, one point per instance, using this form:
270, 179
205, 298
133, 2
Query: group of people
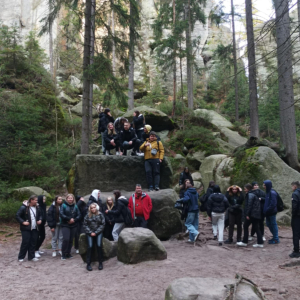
68, 219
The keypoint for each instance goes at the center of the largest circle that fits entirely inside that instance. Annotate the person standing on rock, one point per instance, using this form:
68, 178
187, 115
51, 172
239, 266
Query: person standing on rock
29, 217
252, 211
109, 219
235, 212
140, 205
153, 155
79, 229
94, 223
138, 124
192, 221
69, 214
216, 207
54, 225
295, 223
95, 198
270, 211
41, 227
128, 140
104, 118
111, 140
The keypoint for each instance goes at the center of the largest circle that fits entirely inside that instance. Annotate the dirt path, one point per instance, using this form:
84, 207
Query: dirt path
51, 278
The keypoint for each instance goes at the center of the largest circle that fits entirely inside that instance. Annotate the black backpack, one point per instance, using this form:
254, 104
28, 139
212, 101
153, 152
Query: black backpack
280, 205
203, 200
128, 217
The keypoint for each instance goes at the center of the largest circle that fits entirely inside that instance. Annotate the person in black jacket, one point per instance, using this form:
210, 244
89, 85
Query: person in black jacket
94, 223
183, 177
295, 218
104, 118
138, 124
94, 198
119, 214
79, 229
235, 212
119, 124
252, 212
69, 215
109, 219
54, 224
216, 206
129, 140
41, 227
111, 140
29, 216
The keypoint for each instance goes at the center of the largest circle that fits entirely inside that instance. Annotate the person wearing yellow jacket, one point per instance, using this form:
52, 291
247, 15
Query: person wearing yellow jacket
153, 155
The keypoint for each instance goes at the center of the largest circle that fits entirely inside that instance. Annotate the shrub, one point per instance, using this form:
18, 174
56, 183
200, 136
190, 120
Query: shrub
8, 210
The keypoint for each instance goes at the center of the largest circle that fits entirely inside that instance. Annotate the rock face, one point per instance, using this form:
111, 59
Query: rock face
108, 173
77, 110
154, 117
109, 249
67, 99
139, 244
24, 193
206, 288
195, 159
77, 84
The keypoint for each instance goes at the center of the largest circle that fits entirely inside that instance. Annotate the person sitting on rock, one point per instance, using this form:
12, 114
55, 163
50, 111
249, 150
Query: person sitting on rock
128, 140
252, 211
109, 219
183, 177
153, 155
216, 207
138, 124
111, 140
235, 212
119, 124
295, 218
94, 198
119, 214
140, 205
192, 221
93, 225
104, 118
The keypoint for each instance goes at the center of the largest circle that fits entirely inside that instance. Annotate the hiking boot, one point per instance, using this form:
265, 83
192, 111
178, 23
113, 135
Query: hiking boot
89, 267
241, 244
294, 255
228, 241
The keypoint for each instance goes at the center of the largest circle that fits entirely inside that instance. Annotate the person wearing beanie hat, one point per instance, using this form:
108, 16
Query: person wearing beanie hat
153, 155
104, 118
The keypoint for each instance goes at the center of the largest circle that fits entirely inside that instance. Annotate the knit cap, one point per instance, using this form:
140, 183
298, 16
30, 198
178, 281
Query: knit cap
148, 127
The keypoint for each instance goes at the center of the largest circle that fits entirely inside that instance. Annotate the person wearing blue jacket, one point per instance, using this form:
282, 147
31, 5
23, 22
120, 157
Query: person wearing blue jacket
192, 221
270, 211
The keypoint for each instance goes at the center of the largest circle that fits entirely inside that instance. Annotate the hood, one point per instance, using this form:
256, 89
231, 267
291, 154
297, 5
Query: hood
217, 197
268, 184
95, 194
77, 198
148, 127
25, 202
192, 191
123, 200
40, 201
216, 189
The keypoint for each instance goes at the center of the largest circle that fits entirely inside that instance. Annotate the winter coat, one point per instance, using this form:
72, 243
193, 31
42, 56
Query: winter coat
146, 136
209, 191
262, 196
52, 219
154, 145
296, 203
127, 135
138, 122
191, 197
23, 215
109, 137
82, 206
184, 176
43, 208
235, 202
270, 206
118, 125
104, 119
109, 219
94, 224
121, 210
92, 199
217, 203
146, 203
67, 212
252, 206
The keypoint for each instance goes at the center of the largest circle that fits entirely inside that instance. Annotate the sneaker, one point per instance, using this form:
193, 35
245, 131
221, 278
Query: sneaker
107, 152
215, 237
258, 246
272, 239
273, 242
60, 253
150, 189
20, 260
196, 237
69, 256
63, 258
54, 254
117, 153
241, 244
34, 259
220, 244
239, 240
36, 254
77, 251
228, 241
250, 238
264, 239
41, 252
294, 255
157, 188
140, 154
190, 241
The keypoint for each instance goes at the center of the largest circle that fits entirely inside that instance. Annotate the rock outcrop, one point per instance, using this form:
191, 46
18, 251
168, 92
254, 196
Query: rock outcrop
77, 110
24, 193
139, 244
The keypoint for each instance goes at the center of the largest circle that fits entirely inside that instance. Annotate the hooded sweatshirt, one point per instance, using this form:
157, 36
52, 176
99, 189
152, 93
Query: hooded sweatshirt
94, 199
270, 206
191, 197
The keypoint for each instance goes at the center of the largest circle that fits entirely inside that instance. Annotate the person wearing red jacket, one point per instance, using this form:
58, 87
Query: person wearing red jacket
140, 205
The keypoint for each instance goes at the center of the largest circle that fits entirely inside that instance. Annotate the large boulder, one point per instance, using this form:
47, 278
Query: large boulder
154, 117
191, 288
24, 193
63, 97
108, 173
195, 159
109, 249
77, 110
139, 244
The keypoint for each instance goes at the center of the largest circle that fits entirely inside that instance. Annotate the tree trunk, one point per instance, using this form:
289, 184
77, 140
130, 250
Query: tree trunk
174, 67
113, 41
131, 61
254, 124
51, 60
235, 65
86, 79
92, 49
285, 83
189, 57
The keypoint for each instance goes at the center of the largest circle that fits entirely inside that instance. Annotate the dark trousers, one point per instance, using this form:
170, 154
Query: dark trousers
261, 225
41, 236
152, 167
235, 218
135, 145
79, 231
255, 224
109, 146
68, 235
29, 240
296, 232
91, 241
139, 134
107, 233
140, 222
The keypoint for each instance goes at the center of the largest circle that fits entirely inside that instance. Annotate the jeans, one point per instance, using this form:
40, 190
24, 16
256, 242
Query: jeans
140, 222
68, 236
118, 227
218, 222
135, 145
94, 239
41, 236
272, 224
29, 239
57, 235
192, 224
152, 168
296, 232
255, 224
235, 218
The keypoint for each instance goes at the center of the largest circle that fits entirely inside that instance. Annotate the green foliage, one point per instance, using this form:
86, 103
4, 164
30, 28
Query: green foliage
8, 210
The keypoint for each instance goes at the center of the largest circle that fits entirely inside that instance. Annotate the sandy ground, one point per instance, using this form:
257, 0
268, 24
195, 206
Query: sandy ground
51, 278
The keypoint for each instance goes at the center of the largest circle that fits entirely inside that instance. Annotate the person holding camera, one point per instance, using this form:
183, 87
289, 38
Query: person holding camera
153, 155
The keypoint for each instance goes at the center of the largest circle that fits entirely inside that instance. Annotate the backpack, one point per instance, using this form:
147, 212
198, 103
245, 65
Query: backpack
128, 217
203, 200
280, 205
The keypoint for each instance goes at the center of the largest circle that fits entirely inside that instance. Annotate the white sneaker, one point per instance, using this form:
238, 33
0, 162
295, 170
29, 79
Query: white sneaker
196, 237
59, 252
117, 153
140, 154
186, 231
77, 251
35, 259
41, 252
54, 254
241, 244
258, 246
20, 260
189, 241
106, 152
36, 254
250, 238
264, 239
